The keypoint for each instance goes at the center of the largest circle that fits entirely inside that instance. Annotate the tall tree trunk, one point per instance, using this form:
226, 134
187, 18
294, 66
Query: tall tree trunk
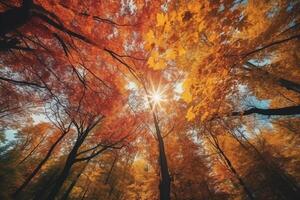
68, 191
65, 172
230, 166
238, 177
112, 188
40, 193
71, 159
39, 166
209, 192
165, 181
285, 186
85, 191
111, 169
290, 85
290, 110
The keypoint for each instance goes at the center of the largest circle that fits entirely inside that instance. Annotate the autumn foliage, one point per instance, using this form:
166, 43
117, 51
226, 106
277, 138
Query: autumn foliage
146, 100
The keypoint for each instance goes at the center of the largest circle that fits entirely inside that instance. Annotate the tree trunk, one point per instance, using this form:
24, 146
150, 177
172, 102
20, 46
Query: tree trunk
65, 172
241, 181
85, 191
287, 187
290, 110
37, 169
165, 182
111, 169
68, 191
231, 168
71, 159
209, 192
284, 185
290, 85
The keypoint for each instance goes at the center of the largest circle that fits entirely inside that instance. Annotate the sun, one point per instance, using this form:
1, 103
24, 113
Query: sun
156, 97
156, 94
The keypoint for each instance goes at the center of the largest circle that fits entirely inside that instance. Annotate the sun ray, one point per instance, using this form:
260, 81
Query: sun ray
157, 96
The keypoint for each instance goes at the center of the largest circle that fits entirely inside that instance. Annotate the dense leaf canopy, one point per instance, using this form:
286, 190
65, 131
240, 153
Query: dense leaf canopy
145, 100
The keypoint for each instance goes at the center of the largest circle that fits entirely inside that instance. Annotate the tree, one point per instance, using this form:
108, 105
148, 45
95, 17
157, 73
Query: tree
85, 118
215, 57
145, 100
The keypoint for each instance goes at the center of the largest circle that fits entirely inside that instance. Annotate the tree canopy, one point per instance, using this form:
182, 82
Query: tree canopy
146, 100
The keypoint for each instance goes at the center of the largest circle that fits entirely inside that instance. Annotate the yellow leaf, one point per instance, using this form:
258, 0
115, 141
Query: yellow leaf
160, 64
201, 26
190, 114
170, 54
161, 19
204, 116
194, 7
150, 38
181, 51
167, 27
151, 62
155, 62
186, 95
195, 37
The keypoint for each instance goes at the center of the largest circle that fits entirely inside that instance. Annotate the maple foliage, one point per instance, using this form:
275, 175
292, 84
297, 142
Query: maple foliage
217, 47
138, 99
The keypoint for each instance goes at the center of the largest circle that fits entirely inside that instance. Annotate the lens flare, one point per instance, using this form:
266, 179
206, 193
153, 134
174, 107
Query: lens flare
156, 97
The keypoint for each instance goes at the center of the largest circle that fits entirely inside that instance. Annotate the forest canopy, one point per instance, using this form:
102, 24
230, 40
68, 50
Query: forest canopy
148, 100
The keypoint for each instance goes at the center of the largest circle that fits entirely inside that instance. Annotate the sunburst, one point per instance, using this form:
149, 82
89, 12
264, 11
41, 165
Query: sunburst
156, 96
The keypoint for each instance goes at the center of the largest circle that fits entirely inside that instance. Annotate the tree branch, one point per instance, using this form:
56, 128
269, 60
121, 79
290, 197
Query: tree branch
31, 84
270, 45
290, 110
